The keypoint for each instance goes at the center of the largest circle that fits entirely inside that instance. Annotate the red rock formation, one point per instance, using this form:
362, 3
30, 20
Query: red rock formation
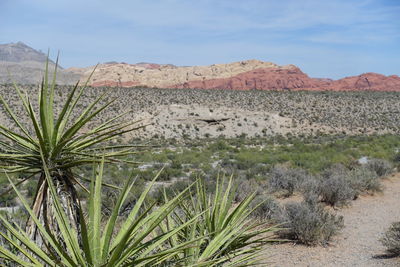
244, 75
367, 81
261, 79
108, 83
295, 79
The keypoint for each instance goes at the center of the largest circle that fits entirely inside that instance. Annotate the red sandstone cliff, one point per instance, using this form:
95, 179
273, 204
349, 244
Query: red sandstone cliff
244, 75
260, 79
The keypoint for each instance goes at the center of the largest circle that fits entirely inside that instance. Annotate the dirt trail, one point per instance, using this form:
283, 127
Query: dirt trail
358, 244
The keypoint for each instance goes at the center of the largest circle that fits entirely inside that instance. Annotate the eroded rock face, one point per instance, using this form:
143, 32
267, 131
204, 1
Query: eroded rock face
367, 81
243, 75
169, 76
261, 79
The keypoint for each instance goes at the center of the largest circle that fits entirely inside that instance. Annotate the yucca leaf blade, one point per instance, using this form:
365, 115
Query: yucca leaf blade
46, 235
106, 238
95, 213
12, 257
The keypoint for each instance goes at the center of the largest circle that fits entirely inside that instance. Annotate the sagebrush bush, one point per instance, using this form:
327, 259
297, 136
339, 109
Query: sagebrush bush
309, 223
396, 157
391, 239
246, 186
310, 189
363, 179
382, 167
335, 187
334, 170
336, 191
286, 180
267, 208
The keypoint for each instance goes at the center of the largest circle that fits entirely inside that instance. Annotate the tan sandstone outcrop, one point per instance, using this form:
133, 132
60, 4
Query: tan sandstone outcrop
122, 74
243, 75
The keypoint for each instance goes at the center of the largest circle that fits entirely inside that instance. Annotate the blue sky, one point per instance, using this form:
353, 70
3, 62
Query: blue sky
334, 38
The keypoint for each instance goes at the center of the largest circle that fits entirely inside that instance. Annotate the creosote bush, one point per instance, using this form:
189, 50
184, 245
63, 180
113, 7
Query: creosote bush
391, 239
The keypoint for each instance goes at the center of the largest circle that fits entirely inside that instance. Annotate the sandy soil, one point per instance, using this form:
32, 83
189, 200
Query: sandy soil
358, 244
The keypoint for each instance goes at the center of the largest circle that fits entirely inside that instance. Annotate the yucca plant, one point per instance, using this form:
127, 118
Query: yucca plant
105, 243
60, 232
59, 142
231, 237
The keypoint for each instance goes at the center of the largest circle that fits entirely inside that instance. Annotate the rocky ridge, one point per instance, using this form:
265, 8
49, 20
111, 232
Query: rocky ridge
20, 52
243, 75
26, 65
167, 76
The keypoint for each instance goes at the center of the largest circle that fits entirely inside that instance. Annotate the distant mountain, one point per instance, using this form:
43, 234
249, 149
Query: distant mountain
25, 65
20, 52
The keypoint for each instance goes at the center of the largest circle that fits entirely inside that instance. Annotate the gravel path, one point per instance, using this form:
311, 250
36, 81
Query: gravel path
358, 244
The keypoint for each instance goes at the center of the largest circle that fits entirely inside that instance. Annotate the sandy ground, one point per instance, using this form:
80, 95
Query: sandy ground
358, 244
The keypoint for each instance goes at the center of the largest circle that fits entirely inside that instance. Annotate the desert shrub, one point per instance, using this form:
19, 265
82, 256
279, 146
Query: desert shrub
335, 187
260, 170
110, 197
168, 173
266, 208
309, 223
246, 159
364, 179
246, 186
219, 145
391, 239
396, 158
310, 189
170, 190
6, 200
286, 180
334, 170
382, 167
